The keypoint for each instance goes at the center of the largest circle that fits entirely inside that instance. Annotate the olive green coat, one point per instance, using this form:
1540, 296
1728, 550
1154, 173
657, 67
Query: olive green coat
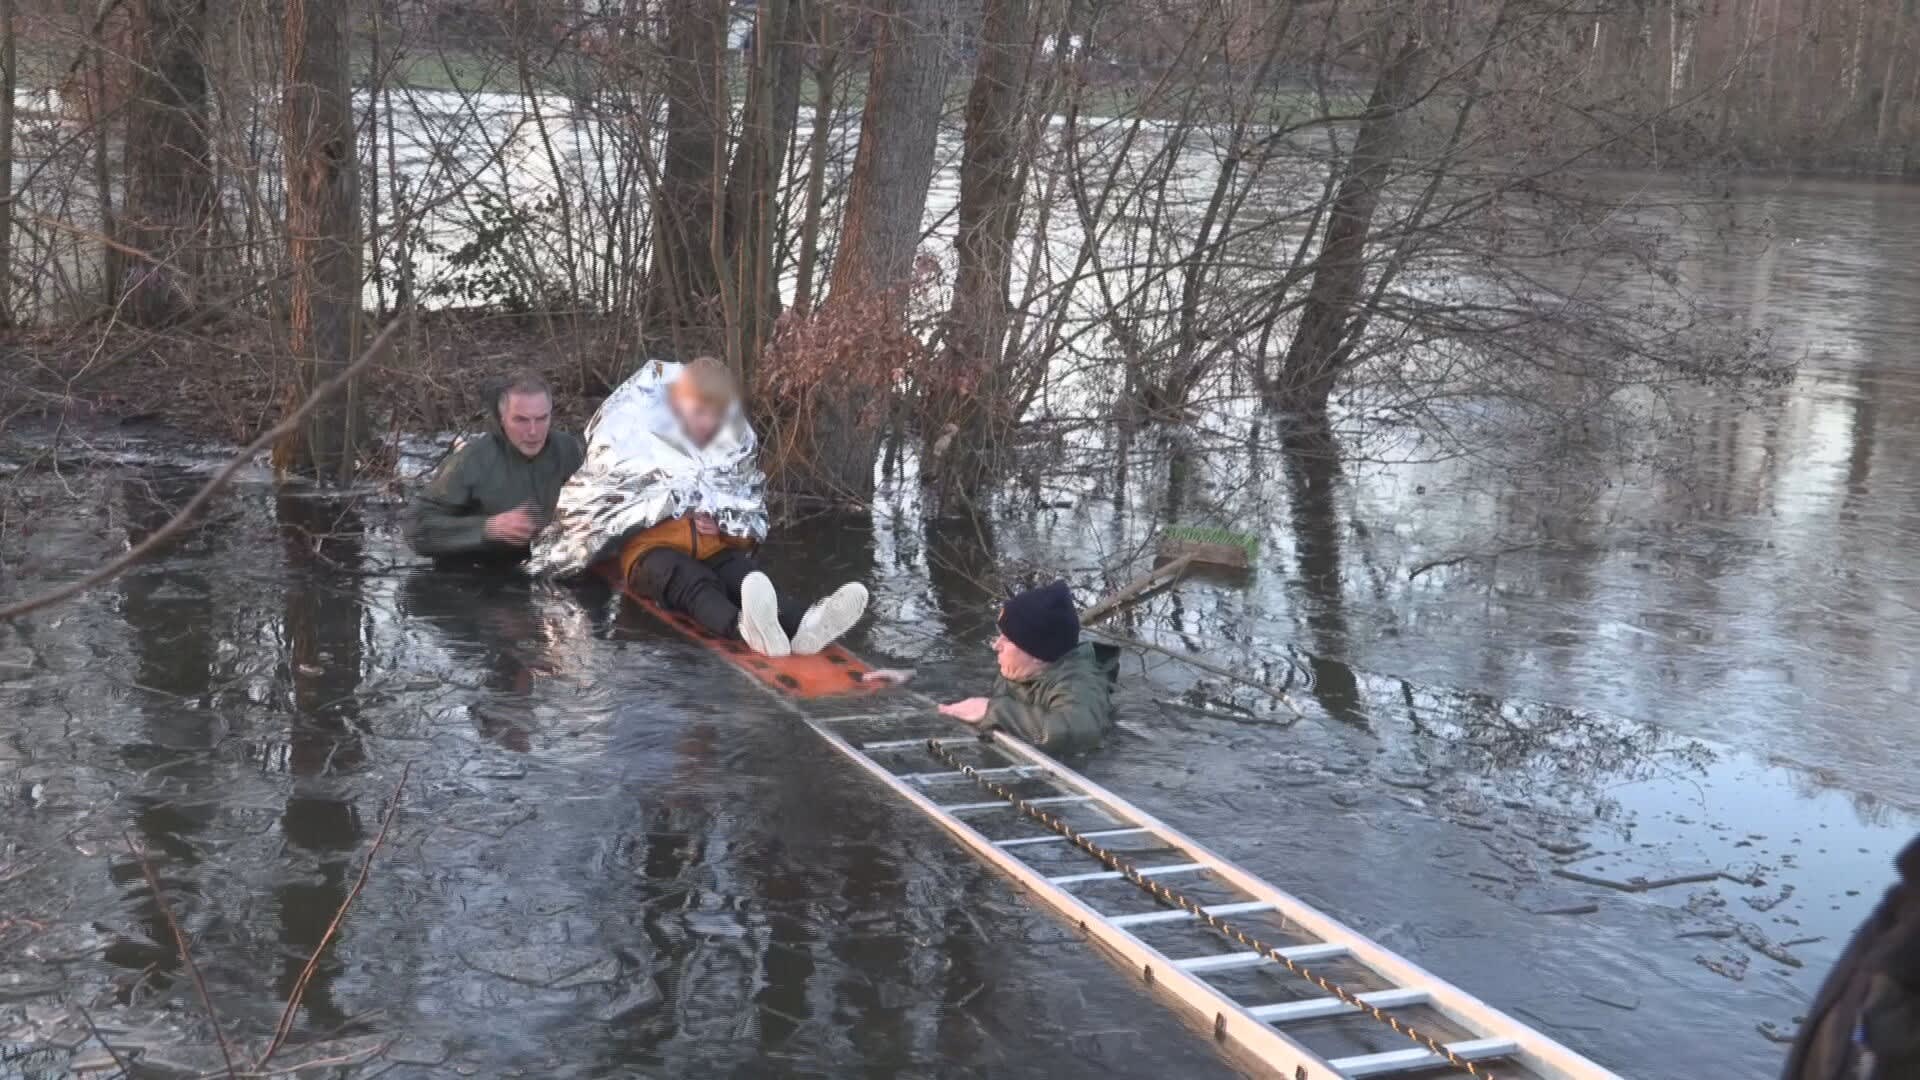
1065, 709
487, 476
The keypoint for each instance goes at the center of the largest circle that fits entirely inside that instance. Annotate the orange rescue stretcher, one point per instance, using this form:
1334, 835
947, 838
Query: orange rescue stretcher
833, 672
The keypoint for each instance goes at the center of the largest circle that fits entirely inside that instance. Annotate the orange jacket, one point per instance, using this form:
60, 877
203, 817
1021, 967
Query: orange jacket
679, 534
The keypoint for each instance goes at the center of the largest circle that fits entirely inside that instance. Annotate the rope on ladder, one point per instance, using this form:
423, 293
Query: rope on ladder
1161, 892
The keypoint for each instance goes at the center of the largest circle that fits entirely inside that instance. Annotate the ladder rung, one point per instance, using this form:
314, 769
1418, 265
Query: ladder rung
1322, 950
1314, 1008
1023, 841
894, 744
1408, 1060
1002, 804
1175, 915
1008, 770
1144, 871
856, 718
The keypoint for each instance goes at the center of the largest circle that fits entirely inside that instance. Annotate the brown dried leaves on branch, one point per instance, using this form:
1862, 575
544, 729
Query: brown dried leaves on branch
830, 380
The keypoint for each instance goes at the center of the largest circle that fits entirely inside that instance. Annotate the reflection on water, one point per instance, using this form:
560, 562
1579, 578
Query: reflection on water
1312, 483
1755, 587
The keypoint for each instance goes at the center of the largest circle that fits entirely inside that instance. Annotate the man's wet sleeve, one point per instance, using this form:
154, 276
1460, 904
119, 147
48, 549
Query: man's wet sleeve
446, 518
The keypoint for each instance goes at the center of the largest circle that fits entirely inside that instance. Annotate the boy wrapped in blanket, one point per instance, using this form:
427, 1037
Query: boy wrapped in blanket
671, 490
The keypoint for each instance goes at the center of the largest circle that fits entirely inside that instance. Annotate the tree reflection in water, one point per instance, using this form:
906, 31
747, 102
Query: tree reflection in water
322, 624
170, 621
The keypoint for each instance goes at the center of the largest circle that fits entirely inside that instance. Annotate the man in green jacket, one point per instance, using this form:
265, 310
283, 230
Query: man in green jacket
489, 497
1055, 691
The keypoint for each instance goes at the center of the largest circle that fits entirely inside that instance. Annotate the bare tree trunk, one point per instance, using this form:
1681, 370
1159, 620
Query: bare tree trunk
9, 78
684, 275
880, 229
1311, 365
824, 74
1890, 83
323, 233
1805, 55
400, 228
111, 259
967, 414
1640, 58
169, 204
1682, 33
379, 241
1856, 59
893, 165
753, 180
1769, 88
1736, 86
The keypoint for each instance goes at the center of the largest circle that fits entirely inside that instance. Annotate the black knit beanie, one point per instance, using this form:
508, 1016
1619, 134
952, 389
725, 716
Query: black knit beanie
1042, 621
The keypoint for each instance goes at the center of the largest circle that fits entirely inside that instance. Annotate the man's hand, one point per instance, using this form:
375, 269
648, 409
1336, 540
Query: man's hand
972, 710
705, 525
513, 527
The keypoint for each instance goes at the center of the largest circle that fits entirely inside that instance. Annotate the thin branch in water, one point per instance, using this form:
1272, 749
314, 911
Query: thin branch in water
285, 1027
186, 951
87, 1018
1471, 556
1203, 665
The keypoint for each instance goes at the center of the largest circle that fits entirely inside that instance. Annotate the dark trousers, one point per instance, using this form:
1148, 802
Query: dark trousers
706, 589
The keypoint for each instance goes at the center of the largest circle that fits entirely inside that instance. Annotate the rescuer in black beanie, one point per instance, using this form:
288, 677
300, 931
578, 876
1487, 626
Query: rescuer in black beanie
1054, 690
1042, 621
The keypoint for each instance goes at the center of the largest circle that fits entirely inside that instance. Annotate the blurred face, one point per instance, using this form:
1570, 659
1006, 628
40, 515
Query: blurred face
699, 418
1016, 663
526, 417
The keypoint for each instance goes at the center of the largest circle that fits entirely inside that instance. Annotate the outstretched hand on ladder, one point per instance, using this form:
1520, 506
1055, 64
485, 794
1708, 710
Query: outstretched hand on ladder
972, 710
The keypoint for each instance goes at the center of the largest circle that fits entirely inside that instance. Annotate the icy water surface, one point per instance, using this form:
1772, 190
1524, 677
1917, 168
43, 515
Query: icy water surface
613, 854
610, 854
614, 857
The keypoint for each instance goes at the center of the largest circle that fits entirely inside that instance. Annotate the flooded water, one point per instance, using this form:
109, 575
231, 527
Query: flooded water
612, 857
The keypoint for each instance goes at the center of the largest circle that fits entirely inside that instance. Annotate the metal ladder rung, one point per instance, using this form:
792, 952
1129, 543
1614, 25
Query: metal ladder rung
1023, 841
1144, 871
1408, 1060
894, 744
1320, 950
1244, 907
1008, 770
1287, 1012
1002, 804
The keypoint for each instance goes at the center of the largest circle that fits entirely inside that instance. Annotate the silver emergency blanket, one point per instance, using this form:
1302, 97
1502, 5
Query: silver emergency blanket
641, 470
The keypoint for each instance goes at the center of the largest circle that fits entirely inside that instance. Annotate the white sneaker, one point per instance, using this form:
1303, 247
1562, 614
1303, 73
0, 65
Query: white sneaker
760, 617
826, 621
